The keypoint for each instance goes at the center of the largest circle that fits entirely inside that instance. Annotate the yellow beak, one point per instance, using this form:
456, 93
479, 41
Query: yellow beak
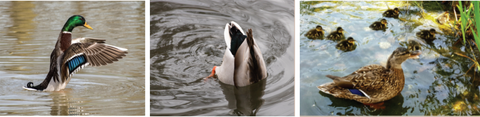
87, 26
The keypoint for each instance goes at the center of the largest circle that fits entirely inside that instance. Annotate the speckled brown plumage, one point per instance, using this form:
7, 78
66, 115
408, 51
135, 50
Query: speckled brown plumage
380, 83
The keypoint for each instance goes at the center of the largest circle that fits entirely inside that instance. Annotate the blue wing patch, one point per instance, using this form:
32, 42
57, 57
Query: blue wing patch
76, 62
357, 92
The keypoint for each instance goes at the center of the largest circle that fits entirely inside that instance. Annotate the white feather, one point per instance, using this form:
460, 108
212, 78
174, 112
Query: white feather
122, 49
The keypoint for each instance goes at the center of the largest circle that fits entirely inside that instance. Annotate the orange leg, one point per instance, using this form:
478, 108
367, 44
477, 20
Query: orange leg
211, 75
376, 105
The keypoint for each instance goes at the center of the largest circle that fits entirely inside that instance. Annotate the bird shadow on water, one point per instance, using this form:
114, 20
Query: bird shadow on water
244, 101
393, 106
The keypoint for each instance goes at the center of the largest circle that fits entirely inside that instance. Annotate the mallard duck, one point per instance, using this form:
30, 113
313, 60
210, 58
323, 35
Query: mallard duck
413, 45
336, 35
71, 55
392, 13
243, 62
379, 25
427, 34
347, 45
372, 83
443, 18
316, 33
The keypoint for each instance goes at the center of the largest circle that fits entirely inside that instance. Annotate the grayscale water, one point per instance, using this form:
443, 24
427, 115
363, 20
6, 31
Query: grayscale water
28, 33
187, 41
435, 84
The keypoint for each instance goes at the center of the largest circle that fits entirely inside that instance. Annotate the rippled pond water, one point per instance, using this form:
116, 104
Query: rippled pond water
436, 84
187, 41
28, 32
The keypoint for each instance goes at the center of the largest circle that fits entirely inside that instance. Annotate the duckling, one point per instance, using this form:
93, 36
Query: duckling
316, 33
443, 18
427, 34
392, 13
336, 35
347, 45
413, 45
379, 25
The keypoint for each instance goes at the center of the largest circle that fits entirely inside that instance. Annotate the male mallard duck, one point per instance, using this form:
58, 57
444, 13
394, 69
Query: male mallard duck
71, 55
347, 45
427, 34
316, 33
443, 18
336, 35
392, 13
379, 25
372, 83
243, 62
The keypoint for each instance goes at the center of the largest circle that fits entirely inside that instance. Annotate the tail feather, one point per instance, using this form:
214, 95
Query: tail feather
339, 81
332, 77
255, 71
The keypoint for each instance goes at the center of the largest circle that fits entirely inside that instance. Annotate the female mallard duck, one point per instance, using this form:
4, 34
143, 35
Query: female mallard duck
443, 18
379, 25
71, 55
373, 83
243, 62
316, 33
347, 45
392, 13
427, 34
336, 35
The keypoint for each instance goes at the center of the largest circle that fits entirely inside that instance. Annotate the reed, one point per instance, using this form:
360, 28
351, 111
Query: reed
465, 18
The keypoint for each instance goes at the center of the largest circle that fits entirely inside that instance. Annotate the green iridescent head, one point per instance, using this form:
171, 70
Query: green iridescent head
74, 21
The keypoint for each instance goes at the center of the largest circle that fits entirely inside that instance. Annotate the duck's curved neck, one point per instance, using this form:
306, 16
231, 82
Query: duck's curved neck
397, 79
68, 26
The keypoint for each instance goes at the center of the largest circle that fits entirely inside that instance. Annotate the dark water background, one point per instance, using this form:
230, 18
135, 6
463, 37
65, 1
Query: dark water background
435, 84
28, 32
187, 41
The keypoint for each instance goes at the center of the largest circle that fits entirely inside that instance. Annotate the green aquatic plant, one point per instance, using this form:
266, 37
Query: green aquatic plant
465, 19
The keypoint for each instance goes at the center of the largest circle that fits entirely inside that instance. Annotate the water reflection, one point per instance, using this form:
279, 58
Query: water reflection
64, 104
244, 101
396, 104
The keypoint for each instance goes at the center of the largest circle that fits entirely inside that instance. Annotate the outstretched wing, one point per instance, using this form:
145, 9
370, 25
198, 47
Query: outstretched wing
79, 55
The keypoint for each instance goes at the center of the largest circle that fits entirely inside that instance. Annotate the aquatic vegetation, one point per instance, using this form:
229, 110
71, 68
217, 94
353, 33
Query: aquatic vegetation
465, 15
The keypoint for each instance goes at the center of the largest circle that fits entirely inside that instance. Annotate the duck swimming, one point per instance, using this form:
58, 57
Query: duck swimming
413, 45
243, 62
71, 55
316, 33
391, 13
379, 25
336, 35
427, 34
346, 45
372, 83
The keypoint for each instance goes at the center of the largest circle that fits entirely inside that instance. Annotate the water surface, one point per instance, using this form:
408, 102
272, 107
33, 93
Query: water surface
435, 84
28, 33
187, 41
